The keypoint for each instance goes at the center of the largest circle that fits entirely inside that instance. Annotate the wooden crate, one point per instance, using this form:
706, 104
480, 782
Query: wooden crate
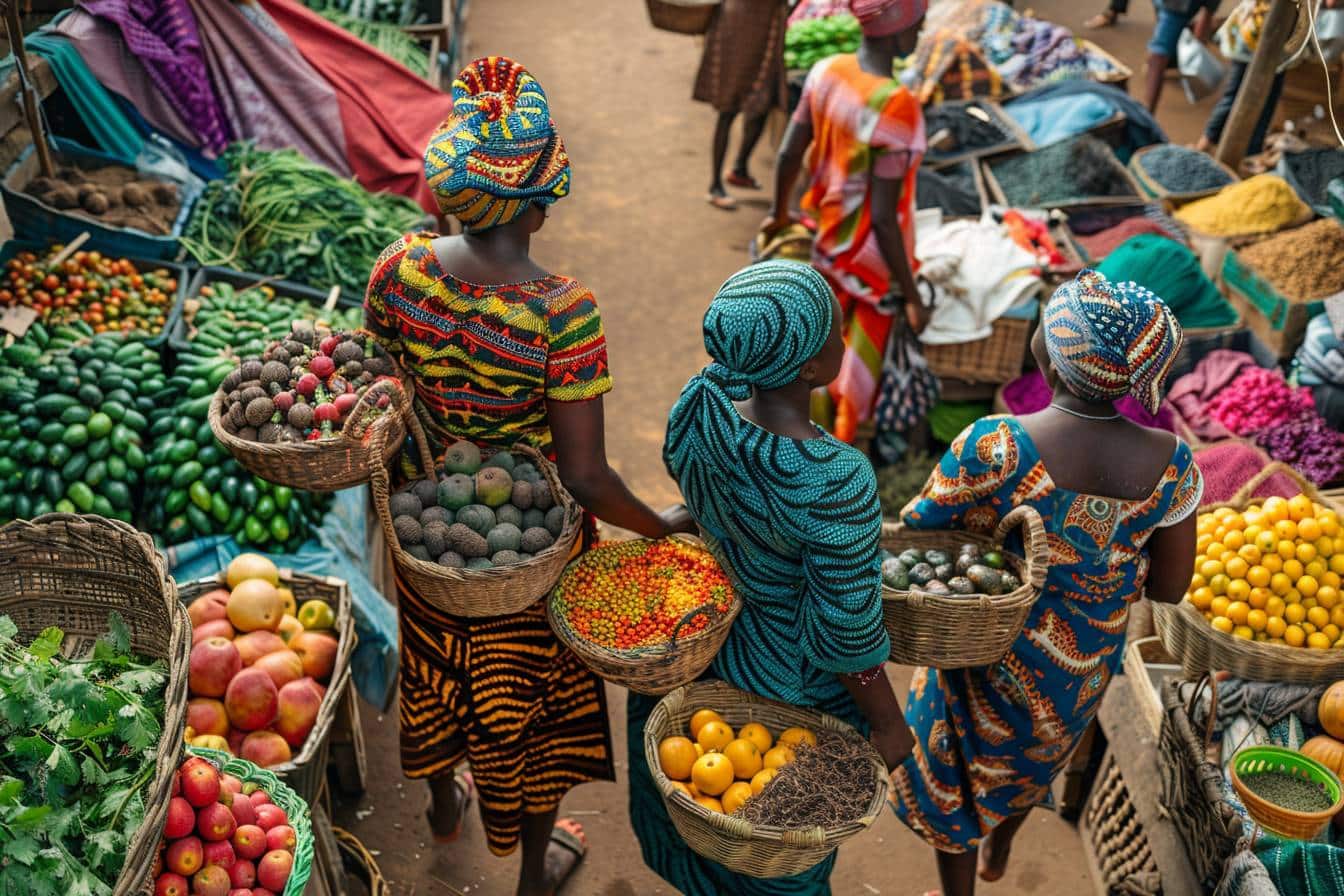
1121, 173
1276, 320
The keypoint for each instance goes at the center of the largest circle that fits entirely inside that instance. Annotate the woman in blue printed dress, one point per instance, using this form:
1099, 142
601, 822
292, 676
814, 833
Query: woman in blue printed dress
1118, 502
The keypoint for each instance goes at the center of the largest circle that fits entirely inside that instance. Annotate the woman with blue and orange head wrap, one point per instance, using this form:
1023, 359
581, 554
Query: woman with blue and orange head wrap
502, 351
1120, 519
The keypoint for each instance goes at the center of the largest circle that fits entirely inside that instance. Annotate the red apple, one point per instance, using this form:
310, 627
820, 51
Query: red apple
249, 842
251, 700
243, 811
171, 884
216, 628
261, 891
283, 666
235, 740
200, 782
211, 881
318, 652
243, 874
256, 644
181, 819
220, 853
185, 856
215, 822
208, 607
296, 712
207, 716
281, 837
273, 869
213, 664
267, 749
257, 795
241, 891
270, 816
230, 783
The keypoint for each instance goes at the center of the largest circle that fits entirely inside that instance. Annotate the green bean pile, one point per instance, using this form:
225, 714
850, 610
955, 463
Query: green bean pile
279, 213
387, 39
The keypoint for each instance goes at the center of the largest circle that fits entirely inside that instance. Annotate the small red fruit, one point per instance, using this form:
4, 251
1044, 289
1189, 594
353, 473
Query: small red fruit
211, 881
259, 797
326, 413
345, 403
283, 402
181, 819
270, 816
243, 874
185, 856
200, 782
307, 384
326, 346
220, 853
243, 811
249, 842
171, 884
322, 366
241, 891
215, 822
281, 837
273, 869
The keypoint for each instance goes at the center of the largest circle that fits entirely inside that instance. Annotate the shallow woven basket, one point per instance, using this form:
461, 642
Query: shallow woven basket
956, 632
998, 358
1271, 816
1201, 648
296, 809
682, 16
756, 851
326, 465
650, 670
307, 770
475, 593
70, 572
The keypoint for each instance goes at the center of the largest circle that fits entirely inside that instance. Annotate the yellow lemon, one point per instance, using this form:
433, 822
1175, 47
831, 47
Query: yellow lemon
1244, 632
1219, 606
1309, 529
1237, 612
1258, 576
1275, 606
1257, 620
778, 756
1294, 569
745, 758
1210, 568
1250, 553
1275, 627
761, 779
1219, 583
1238, 590
1306, 552
1318, 616
735, 796
1275, 508
1294, 636
1201, 598
1307, 586
1287, 549
701, 718
1337, 564
1236, 568
1272, 562
1294, 613
792, 737
1318, 641
1300, 507
1280, 584
1266, 541
1223, 624
757, 734
1259, 598
1327, 596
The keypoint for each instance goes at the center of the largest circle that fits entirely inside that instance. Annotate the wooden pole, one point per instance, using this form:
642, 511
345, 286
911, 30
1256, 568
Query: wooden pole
28, 89
1255, 85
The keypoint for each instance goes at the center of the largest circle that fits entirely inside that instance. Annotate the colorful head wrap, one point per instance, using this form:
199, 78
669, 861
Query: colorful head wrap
497, 152
1107, 340
880, 18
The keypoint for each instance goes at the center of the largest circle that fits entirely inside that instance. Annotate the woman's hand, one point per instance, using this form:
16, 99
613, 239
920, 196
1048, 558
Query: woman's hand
775, 222
894, 743
678, 520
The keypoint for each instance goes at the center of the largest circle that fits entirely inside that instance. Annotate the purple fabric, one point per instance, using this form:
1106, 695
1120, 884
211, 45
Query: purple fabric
1191, 394
1029, 393
163, 34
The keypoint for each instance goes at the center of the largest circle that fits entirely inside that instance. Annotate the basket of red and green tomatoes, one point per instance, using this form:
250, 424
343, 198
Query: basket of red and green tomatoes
649, 614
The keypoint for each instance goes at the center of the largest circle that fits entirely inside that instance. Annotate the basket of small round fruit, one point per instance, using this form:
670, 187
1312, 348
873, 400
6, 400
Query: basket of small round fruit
1285, 792
487, 534
649, 614
763, 788
1264, 602
957, 610
299, 415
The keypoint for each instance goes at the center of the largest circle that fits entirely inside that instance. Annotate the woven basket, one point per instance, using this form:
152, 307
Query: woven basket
1271, 816
733, 842
475, 593
682, 16
307, 770
970, 630
1138, 656
326, 465
1192, 787
71, 571
296, 810
996, 359
1185, 633
650, 670
1124, 860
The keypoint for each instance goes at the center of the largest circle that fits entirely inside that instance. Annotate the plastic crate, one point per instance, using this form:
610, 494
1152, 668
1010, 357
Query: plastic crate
35, 220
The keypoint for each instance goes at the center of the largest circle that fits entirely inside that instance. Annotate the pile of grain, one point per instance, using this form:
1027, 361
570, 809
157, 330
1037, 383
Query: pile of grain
1305, 263
1078, 168
113, 195
1179, 169
1262, 204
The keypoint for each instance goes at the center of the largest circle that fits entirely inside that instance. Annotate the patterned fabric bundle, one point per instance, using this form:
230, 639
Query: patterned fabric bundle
498, 152
1107, 340
880, 18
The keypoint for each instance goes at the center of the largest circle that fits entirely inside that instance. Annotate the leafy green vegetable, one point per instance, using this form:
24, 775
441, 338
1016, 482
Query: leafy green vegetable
387, 39
77, 746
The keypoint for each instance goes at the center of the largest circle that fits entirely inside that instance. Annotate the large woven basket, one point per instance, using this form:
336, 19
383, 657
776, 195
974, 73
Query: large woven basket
72, 571
682, 16
307, 770
1186, 634
1124, 859
964, 631
475, 593
326, 465
756, 851
297, 810
996, 359
650, 670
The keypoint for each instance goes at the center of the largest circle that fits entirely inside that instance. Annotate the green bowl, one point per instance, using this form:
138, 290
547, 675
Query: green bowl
1283, 820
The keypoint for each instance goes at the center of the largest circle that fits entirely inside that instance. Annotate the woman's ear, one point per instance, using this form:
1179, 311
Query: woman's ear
808, 373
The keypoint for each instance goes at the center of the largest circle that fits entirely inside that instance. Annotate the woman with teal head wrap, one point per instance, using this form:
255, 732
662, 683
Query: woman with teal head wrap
793, 512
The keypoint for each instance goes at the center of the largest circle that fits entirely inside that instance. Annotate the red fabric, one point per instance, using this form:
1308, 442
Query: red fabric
387, 111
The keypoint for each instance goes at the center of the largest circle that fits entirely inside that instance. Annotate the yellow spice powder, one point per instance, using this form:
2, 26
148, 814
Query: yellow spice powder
1262, 204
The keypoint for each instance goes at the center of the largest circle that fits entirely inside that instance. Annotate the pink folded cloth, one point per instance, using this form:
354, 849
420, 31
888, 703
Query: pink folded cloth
1190, 395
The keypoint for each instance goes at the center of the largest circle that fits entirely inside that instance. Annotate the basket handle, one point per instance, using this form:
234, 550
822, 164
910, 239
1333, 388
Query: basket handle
709, 610
378, 480
1212, 716
1247, 491
355, 429
1035, 548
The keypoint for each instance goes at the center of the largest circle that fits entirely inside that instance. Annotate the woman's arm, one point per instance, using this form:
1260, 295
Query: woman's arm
788, 165
885, 198
579, 435
1171, 561
880, 706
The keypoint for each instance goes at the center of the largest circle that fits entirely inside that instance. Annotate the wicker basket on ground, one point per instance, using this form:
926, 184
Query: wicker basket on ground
996, 359
756, 851
72, 571
474, 593
307, 770
1186, 634
326, 465
652, 670
955, 632
682, 16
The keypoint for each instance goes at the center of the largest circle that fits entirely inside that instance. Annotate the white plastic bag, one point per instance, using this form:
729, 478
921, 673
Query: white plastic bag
1330, 33
1201, 71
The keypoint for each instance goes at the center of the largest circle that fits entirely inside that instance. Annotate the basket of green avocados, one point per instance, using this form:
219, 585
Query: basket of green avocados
298, 414
778, 789
483, 533
957, 599
649, 614
94, 650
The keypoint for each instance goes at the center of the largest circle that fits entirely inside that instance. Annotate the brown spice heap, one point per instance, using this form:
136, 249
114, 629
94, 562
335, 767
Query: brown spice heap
827, 785
1304, 263
114, 195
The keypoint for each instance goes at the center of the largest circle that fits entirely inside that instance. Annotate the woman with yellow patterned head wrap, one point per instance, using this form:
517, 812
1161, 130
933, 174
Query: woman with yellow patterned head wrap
501, 351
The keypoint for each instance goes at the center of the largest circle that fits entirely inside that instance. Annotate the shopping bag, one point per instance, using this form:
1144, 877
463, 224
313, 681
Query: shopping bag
1201, 71
1330, 34
908, 390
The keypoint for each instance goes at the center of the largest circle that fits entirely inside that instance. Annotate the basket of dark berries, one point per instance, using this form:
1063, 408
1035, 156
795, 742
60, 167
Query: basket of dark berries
301, 414
1285, 792
487, 534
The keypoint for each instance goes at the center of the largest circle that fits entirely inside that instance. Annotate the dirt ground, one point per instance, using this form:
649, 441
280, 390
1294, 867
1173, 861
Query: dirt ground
637, 230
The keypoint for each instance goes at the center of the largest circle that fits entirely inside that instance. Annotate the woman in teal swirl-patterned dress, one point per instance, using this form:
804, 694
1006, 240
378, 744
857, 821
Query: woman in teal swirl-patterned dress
794, 513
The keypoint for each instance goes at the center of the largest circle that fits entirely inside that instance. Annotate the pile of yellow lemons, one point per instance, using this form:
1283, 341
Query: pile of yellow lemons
1272, 572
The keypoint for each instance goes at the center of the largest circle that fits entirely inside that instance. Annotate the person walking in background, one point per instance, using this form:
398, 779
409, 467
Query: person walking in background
502, 351
1173, 17
1120, 520
866, 137
742, 73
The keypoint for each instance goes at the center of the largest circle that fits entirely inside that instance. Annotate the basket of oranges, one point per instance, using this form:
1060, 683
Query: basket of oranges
1265, 602
763, 788
649, 614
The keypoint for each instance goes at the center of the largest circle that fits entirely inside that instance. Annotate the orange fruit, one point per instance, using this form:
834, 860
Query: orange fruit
1337, 564
1319, 641
1272, 562
1306, 552
757, 734
1327, 596
1257, 620
1244, 632
1276, 508
1258, 576
1250, 553
745, 759
1275, 606
1294, 569
1318, 616
1233, 539
1294, 613
1294, 636
1202, 598
1331, 631
1265, 541
1237, 612
1308, 587
676, 755
1275, 627
792, 737
700, 718
1238, 590
1309, 529
1218, 584
1236, 568
1223, 624
684, 788
1280, 584
778, 756
710, 803
714, 736
1218, 606
712, 774
1210, 568
1259, 598
761, 779
1300, 507
735, 796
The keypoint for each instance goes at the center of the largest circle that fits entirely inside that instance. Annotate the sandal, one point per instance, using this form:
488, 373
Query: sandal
1101, 20
566, 851
466, 790
725, 202
743, 180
